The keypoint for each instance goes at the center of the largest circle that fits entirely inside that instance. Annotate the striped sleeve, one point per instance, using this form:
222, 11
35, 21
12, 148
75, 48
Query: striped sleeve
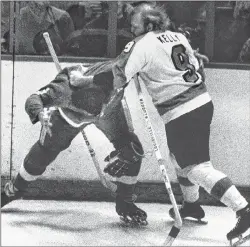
33, 106
56, 93
129, 63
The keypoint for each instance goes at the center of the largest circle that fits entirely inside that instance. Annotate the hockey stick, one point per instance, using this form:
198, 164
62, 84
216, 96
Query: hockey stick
178, 221
127, 114
106, 183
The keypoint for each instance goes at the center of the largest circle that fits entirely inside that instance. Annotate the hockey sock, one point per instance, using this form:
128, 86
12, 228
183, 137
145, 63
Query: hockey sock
190, 193
189, 190
23, 178
233, 199
20, 183
217, 184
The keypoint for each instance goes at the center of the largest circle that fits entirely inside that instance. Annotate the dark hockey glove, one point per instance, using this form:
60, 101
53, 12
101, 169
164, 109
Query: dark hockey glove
123, 162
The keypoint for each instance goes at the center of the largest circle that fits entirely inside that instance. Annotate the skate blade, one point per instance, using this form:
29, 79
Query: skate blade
196, 221
241, 240
130, 223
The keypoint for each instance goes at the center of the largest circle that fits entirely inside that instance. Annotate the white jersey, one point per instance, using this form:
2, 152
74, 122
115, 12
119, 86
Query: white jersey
168, 67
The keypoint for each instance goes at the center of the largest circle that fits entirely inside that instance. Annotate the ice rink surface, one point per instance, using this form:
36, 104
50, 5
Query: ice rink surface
84, 223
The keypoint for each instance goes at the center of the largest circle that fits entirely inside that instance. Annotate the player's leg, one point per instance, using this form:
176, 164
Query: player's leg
192, 154
124, 164
41, 155
188, 142
217, 184
190, 206
242, 225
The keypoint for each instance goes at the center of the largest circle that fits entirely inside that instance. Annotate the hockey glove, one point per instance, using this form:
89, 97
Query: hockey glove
44, 118
124, 162
77, 78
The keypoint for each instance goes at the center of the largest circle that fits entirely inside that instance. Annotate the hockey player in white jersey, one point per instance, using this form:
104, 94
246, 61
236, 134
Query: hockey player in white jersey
166, 63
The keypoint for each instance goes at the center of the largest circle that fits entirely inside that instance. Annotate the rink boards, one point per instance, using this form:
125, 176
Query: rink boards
229, 135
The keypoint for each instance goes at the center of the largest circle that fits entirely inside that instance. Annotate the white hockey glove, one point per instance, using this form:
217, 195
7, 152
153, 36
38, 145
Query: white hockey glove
78, 79
44, 118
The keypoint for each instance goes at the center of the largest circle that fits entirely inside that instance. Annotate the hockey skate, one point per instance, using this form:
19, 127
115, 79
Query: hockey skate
10, 193
130, 214
190, 212
242, 225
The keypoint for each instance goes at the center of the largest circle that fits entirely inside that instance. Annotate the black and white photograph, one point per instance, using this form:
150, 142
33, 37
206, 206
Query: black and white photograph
125, 123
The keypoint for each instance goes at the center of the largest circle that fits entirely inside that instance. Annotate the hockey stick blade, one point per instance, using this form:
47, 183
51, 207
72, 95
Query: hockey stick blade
106, 183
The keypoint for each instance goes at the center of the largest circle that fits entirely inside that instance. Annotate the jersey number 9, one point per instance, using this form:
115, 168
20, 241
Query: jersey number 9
181, 62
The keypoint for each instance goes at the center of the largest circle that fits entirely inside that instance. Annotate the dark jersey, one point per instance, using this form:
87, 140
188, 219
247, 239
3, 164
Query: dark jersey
76, 105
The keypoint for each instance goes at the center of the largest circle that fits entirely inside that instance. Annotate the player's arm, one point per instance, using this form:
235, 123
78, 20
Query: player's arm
77, 78
33, 107
186, 31
201, 59
129, 63
56, 93
196, 58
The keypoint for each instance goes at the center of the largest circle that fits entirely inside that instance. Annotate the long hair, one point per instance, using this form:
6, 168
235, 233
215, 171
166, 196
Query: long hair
155, 15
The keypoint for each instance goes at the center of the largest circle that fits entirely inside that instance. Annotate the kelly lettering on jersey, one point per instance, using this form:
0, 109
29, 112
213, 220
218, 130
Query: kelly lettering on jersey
164, 38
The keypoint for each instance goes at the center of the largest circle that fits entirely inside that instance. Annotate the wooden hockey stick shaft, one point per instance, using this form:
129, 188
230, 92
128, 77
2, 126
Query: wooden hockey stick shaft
106, 183
52, 51
178, 221
127, 114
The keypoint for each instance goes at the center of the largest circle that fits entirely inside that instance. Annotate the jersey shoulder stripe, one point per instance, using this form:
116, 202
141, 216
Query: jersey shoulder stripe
124, 56
121, 62
100, 67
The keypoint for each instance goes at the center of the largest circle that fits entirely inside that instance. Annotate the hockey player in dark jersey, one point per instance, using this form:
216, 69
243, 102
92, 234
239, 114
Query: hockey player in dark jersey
79, 103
